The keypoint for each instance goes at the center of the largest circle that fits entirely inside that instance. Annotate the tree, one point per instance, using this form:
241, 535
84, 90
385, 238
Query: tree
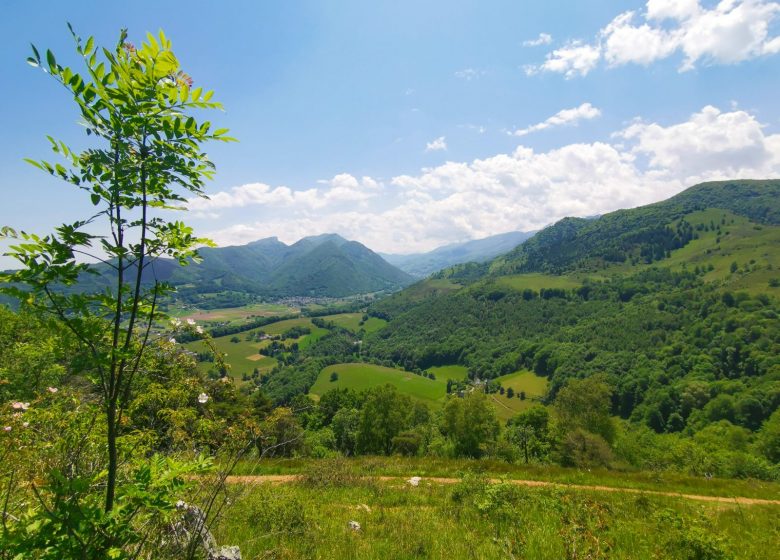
585, 404
385, 414
334, 376
135, 104
471, 423
510, 393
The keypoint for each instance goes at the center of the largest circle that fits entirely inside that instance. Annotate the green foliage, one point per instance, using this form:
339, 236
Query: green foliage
472, 424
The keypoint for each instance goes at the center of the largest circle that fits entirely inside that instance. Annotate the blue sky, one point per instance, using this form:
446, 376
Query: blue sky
408, 125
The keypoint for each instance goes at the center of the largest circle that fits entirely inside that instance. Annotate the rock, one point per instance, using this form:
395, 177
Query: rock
226, 553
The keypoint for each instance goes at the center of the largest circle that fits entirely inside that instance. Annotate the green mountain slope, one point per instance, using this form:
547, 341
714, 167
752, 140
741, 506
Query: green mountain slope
685, 325
646, 234
321, 266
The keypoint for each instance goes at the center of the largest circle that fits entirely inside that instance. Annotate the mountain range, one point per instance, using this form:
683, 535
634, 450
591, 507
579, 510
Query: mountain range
477, 250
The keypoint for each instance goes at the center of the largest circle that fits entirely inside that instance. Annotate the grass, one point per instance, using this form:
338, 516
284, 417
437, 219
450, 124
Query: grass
656, 481
366, 376
351, 322
528, 382
754, 247
476, 520
449, 372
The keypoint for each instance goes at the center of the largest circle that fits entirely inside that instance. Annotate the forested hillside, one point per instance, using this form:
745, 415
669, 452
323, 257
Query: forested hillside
646, 234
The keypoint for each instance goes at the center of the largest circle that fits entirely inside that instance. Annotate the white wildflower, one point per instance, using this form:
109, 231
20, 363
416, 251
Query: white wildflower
172, 340
20, 405
199, 329
191, 322
414, 481
203, 398
354, 525
52, 390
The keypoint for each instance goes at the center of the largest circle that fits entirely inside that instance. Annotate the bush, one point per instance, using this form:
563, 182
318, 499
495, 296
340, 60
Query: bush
584, 449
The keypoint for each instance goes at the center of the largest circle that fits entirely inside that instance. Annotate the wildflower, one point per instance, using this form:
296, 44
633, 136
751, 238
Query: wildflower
7, 429
129, 47
52, 390
20, 405
172, 340
354, 525
25, 424
414, 481
176, 323
190, 322
203, 398
199, 329
224, 379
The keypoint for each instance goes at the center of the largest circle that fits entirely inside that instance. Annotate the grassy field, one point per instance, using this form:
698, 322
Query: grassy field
533, 385
449, 372
366, 376
244, 356
351, 322
755, 248
652, 481
475, 519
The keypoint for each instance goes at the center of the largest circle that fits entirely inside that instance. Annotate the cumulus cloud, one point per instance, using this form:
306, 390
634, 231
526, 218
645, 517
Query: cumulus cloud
573, 59
729, 32
542, 39
520, 190
436, 145
341, 188
586, 111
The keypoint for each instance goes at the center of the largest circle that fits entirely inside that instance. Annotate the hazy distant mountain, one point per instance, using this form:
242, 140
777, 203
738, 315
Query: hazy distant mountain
477, 250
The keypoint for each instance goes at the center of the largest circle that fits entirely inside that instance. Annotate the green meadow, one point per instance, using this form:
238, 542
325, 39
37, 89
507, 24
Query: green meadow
534, 387
366, 376
333, 513
351, 322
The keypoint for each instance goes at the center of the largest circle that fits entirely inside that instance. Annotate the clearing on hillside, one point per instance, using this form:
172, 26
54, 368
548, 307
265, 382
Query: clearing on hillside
365, 376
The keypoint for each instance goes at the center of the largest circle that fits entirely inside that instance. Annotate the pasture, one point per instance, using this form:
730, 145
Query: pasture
366, 376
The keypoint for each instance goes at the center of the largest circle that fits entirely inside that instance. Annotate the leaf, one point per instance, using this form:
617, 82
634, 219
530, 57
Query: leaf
32, 62
51, 60
89, 45
95, 199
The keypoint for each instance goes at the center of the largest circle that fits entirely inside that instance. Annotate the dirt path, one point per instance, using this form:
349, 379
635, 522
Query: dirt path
285, 478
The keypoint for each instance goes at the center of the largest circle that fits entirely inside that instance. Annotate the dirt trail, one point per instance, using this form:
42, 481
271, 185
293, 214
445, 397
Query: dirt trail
284, 478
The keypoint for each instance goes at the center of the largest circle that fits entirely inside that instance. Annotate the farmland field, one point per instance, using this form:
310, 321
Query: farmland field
351, 322
528, 382
244, 356
366, 376
232, 314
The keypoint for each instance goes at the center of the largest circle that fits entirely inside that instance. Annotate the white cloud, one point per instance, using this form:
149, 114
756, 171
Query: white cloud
520, 190
542, 39
586, 111
437, 144
469, 74
623, 42
732, 143
730, 32
573, 59
341, 188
